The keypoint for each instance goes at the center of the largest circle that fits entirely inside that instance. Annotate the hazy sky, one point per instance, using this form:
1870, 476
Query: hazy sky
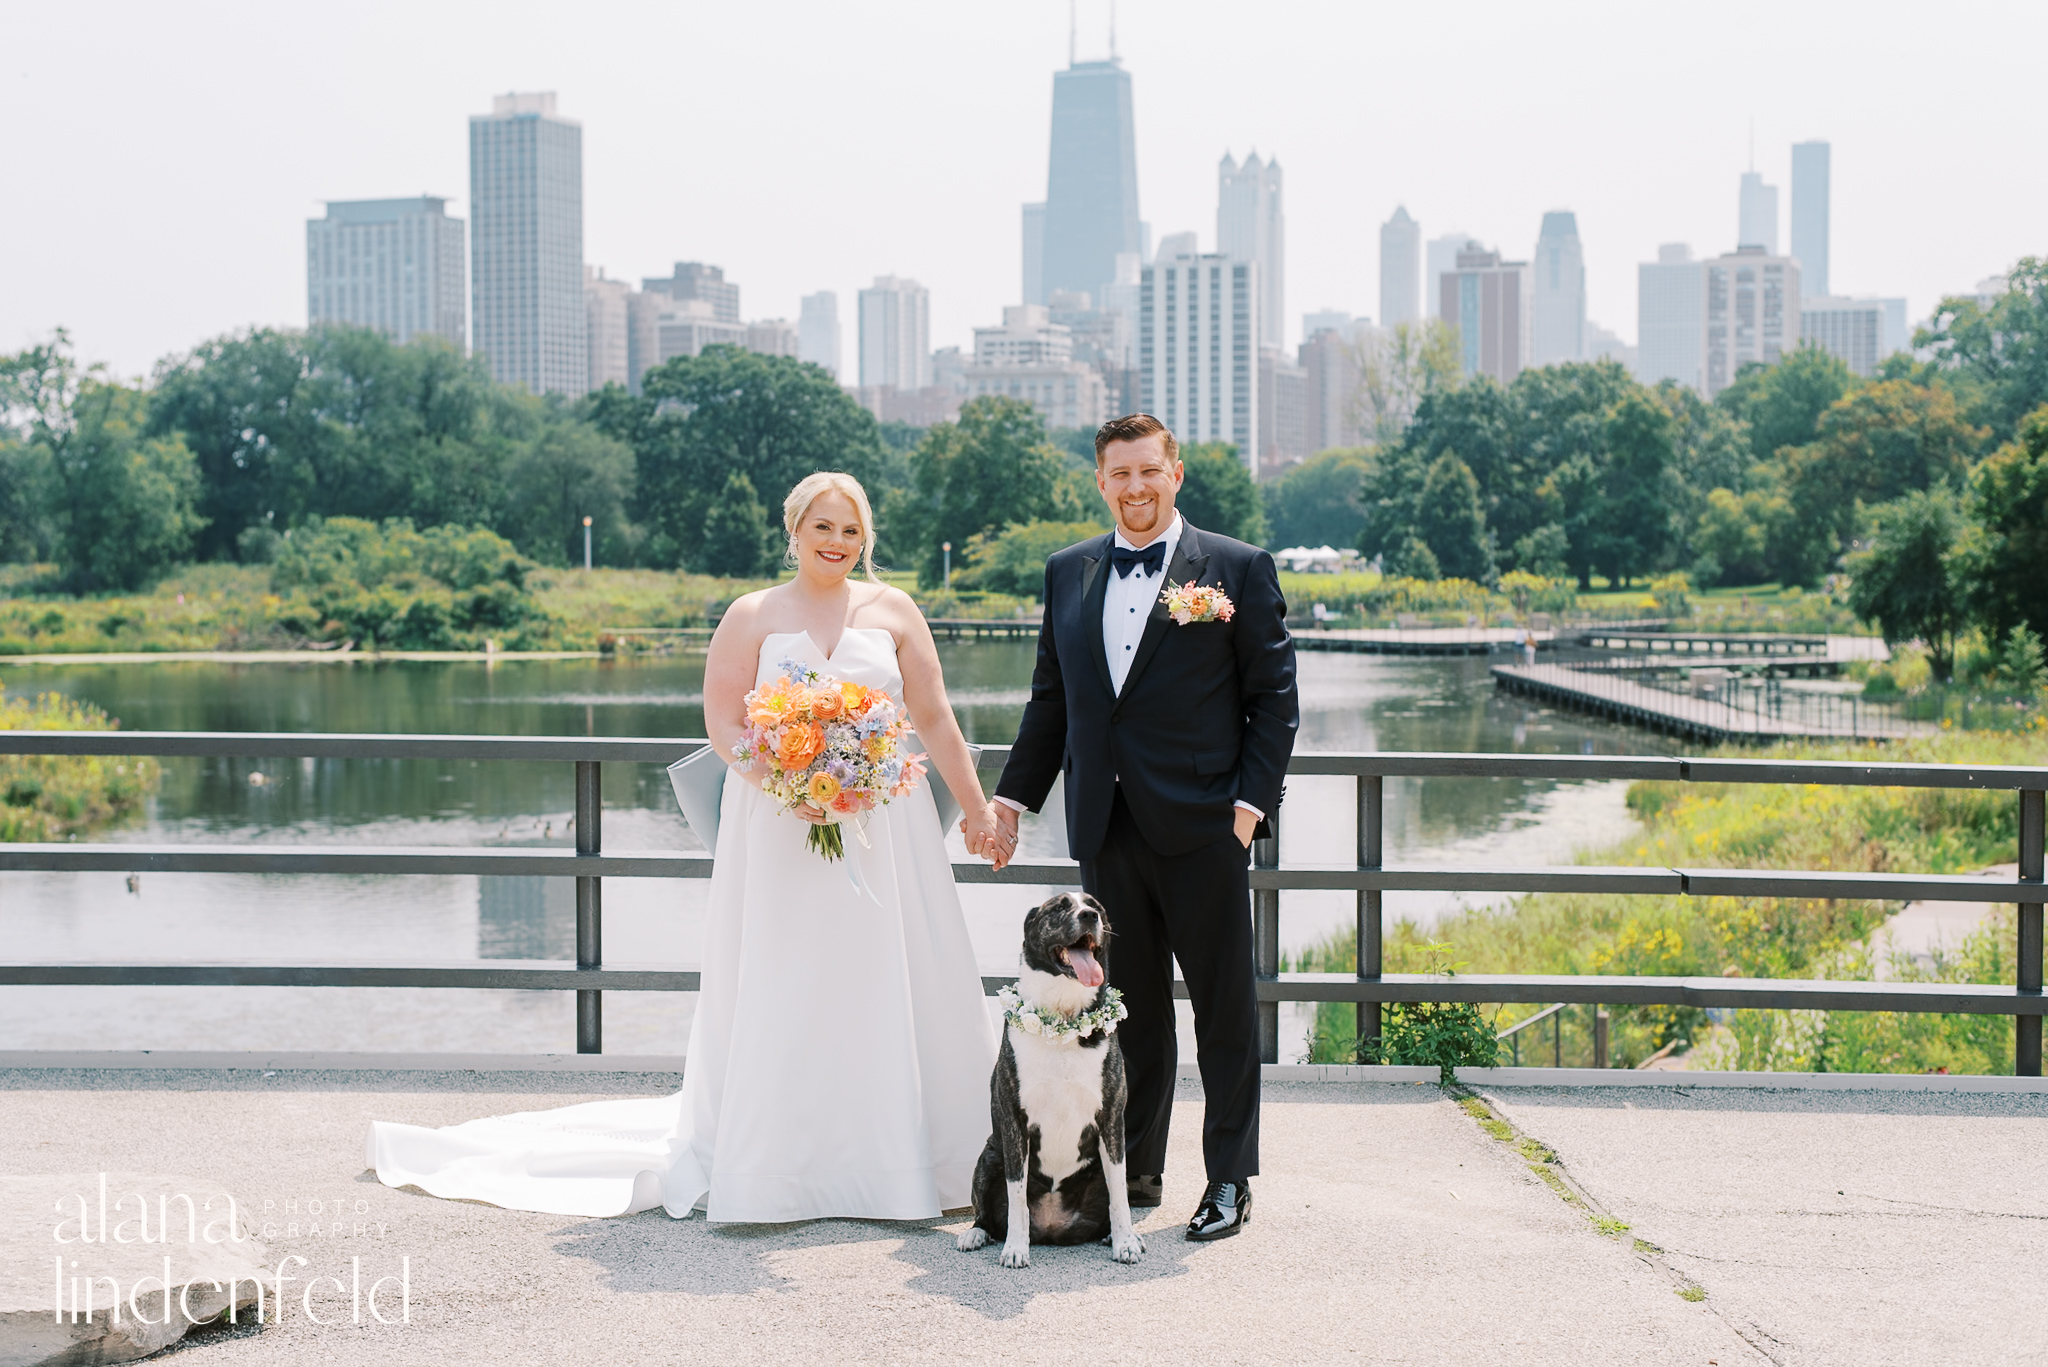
163, 157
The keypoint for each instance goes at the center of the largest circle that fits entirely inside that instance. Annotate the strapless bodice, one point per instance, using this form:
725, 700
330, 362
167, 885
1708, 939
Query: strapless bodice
866, 655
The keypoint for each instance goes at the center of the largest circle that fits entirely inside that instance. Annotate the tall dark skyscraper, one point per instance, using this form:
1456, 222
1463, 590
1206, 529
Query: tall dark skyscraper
1091, 194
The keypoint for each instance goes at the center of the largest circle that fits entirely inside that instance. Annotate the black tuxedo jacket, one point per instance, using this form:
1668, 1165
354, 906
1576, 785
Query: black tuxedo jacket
1207, 715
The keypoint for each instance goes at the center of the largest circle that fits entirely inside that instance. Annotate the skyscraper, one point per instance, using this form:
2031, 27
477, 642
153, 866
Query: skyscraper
1329, 361
1400, 269
1487, 300
390, 264
526, 244
1198, 349
608, 305
695, 280
895, 334
1034, 253
1091, 188
1856, 330
1251, 225
1558, 331
818, 331
1670, 297
1441, 256
1810, 164
1758, 226
1751, 312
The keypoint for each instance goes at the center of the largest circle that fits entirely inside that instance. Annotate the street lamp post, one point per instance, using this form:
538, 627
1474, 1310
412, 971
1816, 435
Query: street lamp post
946, 550
586, 543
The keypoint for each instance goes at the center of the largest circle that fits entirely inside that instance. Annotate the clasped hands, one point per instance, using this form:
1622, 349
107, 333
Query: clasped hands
991, 833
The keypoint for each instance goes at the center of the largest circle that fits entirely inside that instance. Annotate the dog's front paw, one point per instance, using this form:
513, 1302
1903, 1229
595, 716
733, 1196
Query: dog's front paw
1016, 1253
975, 1237
1128, 1249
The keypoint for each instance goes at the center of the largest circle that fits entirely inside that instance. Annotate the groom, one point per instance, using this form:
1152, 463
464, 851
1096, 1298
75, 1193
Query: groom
1174, 740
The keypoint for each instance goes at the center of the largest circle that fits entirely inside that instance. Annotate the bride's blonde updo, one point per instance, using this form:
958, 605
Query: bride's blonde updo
807, 492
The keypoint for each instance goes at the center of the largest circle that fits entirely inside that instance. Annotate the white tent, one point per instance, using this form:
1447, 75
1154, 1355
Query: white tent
1300, 558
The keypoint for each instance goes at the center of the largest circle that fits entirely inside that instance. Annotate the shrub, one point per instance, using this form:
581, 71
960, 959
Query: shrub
1013, 560
56, 797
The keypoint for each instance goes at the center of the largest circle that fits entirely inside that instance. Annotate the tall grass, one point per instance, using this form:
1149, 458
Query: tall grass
1763, 826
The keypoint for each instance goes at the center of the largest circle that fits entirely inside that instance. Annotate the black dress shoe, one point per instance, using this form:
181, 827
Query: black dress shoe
1226, 1208
1145, 1192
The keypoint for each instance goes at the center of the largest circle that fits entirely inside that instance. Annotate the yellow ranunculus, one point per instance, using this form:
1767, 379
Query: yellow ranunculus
824, 788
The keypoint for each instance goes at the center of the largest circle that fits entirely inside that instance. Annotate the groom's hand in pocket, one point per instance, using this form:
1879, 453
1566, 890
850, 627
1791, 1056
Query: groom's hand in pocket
1245, 823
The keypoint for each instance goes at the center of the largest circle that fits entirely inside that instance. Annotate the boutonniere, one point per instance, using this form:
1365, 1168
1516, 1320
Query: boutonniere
1190, 602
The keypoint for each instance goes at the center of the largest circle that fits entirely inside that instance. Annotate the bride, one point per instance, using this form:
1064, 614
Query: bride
839, 1059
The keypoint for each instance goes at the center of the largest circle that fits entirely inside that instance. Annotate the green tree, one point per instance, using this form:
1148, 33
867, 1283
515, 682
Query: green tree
1877, 444
1996, 356
701, 418
1734, 535
991, 469
1639, 497
237, 402
737, 537
1318, 502
126, 510
1013, 560
1218, 494
2007, 563
566, 471
1910, 581
1783, 403
121, 501
1449, 521
338, 421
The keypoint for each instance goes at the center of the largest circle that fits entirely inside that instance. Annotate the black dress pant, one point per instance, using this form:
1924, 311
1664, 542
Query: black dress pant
1196, 908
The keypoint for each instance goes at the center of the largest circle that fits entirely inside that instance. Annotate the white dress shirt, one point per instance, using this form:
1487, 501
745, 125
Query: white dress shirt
1127, 602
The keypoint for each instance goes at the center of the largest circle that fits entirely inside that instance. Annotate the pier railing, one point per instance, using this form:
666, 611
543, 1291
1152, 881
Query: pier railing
1368, 876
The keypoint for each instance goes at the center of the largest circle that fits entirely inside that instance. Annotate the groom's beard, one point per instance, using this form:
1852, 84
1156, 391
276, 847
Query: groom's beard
1139, 521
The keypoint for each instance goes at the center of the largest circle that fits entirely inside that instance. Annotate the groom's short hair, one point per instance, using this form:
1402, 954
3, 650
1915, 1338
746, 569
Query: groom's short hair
1134, 427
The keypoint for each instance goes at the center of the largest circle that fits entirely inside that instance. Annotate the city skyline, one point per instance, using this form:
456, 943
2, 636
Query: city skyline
912, 196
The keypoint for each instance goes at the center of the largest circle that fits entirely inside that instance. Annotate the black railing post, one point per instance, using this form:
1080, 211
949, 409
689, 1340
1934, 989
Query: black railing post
1371, 799
589, 904
2026, 1051
1266, 940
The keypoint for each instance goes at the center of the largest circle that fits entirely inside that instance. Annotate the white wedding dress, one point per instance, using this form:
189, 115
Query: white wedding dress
839, 1060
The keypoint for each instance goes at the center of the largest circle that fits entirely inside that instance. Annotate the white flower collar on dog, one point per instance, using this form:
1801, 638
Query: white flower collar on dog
1033, 1019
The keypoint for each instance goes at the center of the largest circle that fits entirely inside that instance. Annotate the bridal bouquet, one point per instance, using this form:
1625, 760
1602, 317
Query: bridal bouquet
834, 744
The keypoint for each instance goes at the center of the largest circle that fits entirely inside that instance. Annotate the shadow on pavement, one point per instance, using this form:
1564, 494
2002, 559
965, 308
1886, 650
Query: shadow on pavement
651, 1253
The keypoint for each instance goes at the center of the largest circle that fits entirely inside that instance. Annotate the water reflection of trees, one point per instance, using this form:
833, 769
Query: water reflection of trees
1349, 702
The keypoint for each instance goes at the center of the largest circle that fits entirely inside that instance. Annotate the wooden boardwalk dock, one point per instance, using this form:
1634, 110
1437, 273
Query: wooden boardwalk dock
1708, 720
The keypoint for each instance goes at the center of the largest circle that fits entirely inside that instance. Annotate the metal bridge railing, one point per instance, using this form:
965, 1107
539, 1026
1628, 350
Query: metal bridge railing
1368, 876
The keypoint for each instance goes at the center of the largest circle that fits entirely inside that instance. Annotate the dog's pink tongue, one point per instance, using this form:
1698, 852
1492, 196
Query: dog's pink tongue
1086, 971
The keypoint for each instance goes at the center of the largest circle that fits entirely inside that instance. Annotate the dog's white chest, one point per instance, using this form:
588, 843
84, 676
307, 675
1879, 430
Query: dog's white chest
1060, 1086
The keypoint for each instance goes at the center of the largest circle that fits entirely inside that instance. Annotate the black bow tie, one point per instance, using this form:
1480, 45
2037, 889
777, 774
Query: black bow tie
1153, 558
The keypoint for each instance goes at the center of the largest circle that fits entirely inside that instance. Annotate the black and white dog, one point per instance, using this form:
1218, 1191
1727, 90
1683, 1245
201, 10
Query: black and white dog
1053, 1171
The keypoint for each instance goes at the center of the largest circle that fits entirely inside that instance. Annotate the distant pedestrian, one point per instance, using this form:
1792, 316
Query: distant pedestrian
1528, 644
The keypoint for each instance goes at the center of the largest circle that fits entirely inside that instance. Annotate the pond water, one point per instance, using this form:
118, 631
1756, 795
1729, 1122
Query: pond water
1349, 702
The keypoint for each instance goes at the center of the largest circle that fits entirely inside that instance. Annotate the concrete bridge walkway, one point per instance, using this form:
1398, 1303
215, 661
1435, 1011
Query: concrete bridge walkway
1395, 1223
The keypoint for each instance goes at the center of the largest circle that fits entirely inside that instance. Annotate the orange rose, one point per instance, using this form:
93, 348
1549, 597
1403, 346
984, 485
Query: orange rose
827, 703
800, 745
